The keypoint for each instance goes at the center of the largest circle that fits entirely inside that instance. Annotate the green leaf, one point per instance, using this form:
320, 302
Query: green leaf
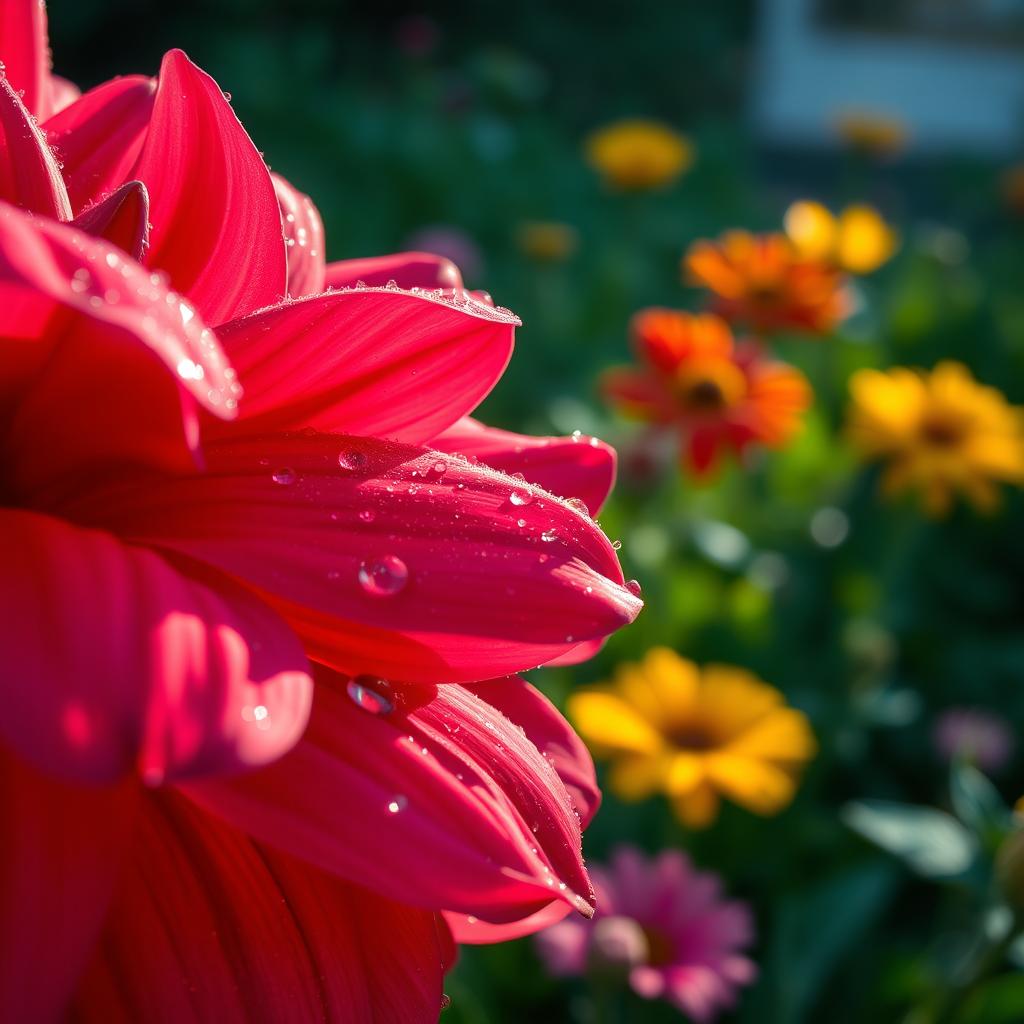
815, 929
931, 843
977, 803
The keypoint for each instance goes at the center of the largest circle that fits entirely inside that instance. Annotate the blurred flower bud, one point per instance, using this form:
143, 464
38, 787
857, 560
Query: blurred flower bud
617, 945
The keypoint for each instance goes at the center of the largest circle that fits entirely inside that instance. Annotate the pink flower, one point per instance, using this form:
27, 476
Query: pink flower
977, 735
248, 772
664, 926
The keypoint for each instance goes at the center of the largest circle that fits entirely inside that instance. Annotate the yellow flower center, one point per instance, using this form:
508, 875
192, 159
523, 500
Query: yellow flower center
692, 737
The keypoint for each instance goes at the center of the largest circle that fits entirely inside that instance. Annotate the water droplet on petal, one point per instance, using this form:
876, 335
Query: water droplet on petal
383, 577
548, 536
579, 505
367, 515
284, 476
616, 544
633, 586
440, 468
520, 523
352, 461
398, 803
372, 694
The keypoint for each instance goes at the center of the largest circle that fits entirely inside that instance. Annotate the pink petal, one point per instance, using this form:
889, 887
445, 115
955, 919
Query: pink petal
553, 736
60, 855
207, 925
115, 660
385, 558
304, 237
29, 175
25, 52
122, 219
100, 363
216, 223
406, 269
578, 654
454, 806
375, 362
574, 467
472, 931
99, 136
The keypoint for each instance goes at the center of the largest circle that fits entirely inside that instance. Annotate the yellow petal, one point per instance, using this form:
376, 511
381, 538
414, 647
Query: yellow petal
731, 699
685, 772
698, 808
782, 735
611, 725
760, 786
865, 241
812, 229
675, 681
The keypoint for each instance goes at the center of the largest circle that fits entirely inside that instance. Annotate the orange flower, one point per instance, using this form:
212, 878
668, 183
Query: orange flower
873, 133
719, 394
763, 281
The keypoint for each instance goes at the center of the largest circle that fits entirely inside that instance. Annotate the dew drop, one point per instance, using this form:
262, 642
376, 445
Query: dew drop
367, 515
579, 505
440, 468
616, 544
284, 476
372, 694
548, 536
383, 577
633, 586
352, 461
520, 523
398, 803
520, 498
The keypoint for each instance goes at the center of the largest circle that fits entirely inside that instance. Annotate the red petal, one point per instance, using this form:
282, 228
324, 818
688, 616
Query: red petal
374, 362
406, 269
60, 854
552, 735
99, 137
304, 237
216, 223
122, 219
29, 175
25, 52
472, 931
209, 926
62, 94
575, 467
384, 557
455, 806
115, 660
100, 363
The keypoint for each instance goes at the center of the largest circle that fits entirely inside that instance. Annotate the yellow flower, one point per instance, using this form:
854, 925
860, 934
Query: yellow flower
939, 433
695, 735
858, 240
547, 241
873, 133
638, 154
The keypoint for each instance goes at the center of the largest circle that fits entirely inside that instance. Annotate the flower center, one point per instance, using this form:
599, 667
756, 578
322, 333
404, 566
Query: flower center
692, 737
942, 431
711, 388
660, 949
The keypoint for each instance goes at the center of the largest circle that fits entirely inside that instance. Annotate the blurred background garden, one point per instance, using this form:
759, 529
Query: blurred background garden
875, 582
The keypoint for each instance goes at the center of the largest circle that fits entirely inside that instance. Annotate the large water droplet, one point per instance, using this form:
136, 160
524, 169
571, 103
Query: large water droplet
520, 498
633, 586
548, 536
352, 461
372, 694
383, 577
579, 505
284, 476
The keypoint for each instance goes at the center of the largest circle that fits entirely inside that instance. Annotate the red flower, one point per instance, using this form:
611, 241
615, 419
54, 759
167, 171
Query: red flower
248, 767
719, 395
